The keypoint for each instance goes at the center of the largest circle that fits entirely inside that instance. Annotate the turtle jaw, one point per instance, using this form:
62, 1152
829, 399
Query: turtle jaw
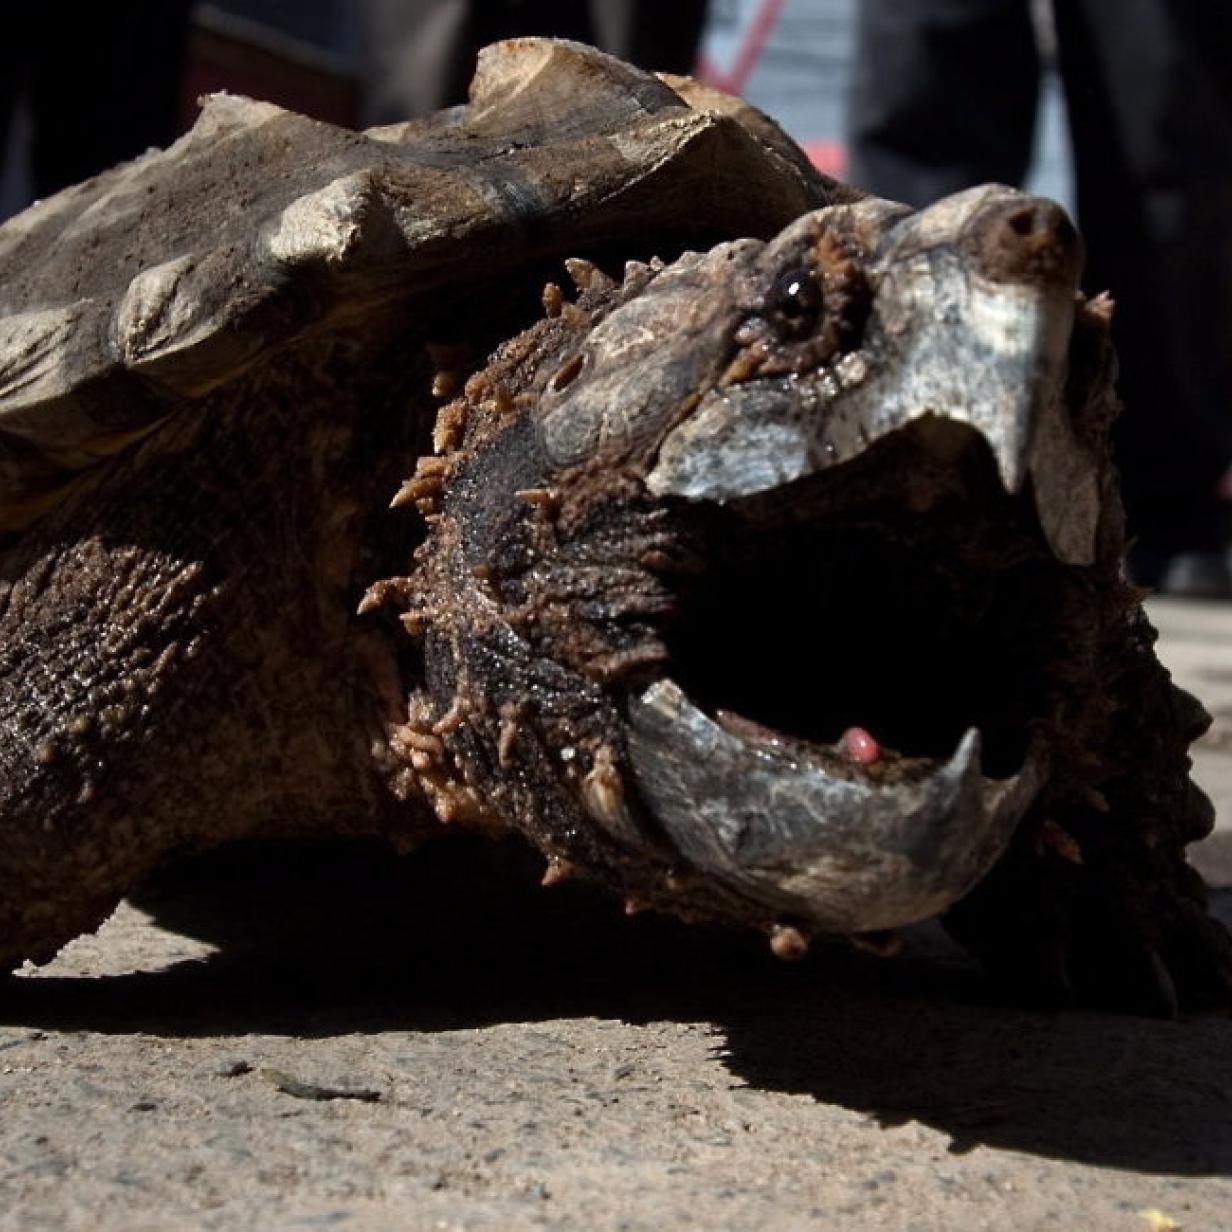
895, 526
772, 818
852, 721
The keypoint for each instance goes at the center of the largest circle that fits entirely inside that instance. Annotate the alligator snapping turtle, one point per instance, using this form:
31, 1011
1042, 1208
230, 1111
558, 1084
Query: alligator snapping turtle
777, 585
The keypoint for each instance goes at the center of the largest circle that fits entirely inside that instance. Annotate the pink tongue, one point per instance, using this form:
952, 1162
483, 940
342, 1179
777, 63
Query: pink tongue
860, 746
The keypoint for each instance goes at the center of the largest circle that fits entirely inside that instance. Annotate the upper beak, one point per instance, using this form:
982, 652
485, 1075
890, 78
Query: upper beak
972, 309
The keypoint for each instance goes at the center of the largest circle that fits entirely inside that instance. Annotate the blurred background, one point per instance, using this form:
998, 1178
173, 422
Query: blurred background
912, 99
792, 58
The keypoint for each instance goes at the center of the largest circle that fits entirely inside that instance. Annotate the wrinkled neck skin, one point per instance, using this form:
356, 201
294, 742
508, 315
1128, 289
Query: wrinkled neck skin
666, 500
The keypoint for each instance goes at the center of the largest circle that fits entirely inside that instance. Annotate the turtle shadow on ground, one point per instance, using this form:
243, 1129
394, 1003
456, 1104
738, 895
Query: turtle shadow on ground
345, 938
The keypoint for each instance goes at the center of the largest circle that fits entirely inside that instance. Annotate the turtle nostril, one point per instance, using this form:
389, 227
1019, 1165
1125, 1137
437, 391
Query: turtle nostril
1035, 239
1024, 222
1042, 222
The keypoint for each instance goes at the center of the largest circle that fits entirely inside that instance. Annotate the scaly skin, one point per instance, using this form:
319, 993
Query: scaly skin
191, 670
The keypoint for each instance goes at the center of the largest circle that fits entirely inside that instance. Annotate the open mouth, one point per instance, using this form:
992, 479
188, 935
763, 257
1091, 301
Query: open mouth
851, 609
849, 727
857, 713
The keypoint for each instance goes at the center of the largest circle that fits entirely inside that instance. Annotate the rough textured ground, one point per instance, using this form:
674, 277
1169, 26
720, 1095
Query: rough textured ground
505, 1057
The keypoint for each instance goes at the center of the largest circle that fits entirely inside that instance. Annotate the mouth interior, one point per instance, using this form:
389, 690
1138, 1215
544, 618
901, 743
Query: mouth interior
894, 594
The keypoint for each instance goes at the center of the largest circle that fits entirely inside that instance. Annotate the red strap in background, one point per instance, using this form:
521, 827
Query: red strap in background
754, 44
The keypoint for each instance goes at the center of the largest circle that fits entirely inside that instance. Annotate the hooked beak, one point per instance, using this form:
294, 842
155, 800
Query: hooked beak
972, 306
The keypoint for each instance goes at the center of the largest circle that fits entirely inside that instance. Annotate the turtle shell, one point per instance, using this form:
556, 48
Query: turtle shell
126, 297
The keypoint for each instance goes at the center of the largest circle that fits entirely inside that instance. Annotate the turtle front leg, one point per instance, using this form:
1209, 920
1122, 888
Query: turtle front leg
180, 664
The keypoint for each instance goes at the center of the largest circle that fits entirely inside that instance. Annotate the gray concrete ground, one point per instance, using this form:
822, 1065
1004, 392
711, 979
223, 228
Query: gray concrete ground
338, 1040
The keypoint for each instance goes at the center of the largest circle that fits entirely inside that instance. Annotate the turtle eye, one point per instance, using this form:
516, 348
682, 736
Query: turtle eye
795, 302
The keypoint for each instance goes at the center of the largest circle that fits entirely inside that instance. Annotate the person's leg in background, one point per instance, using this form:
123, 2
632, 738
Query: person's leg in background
657, 36
421, 53
103, 83
1149, 91
943, 96
14, 50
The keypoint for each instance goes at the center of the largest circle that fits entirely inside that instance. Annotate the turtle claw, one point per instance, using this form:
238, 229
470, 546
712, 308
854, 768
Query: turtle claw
1100, 940
1199, 957
1161, 988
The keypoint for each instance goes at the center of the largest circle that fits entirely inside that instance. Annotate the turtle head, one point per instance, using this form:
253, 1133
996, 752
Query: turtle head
758, 571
